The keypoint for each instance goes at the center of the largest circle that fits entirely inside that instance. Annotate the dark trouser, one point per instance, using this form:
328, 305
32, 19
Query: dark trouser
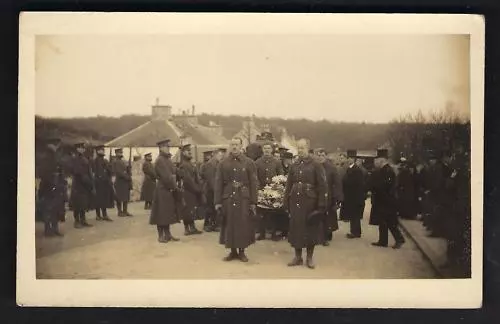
104, 212
355, 225
51, 226
210, 217
79, 216
383, 231
122, 206
147, 204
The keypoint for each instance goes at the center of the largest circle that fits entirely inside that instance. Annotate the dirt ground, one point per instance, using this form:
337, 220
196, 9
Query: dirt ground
127, 248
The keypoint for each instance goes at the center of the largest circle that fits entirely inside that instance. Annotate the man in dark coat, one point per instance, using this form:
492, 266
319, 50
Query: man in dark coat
286, 161
435, 182
164, 211
330, 222
211, 224
191, 190
123, 183
236, 199
82, 186
149, 182
385, 203
342, 168
103, 174
51, 192
305, 199
267, 167
406, 191
354, 190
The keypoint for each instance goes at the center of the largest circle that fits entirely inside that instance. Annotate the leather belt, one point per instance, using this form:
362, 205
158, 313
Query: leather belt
301, 185
237, 184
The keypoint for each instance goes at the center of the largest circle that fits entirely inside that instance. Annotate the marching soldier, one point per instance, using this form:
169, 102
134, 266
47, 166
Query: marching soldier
236, 200
104, 196
267, 167
52, 188
149, 182
385, 203
330, 222
354, 192
164, 210
82, 186
305, 199
122, 184
191, 191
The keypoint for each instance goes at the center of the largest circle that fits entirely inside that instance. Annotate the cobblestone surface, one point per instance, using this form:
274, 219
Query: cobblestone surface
127, 248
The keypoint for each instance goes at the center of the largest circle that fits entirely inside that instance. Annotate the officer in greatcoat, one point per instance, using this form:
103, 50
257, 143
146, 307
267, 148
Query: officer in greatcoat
191, 190
267, 167
149, 182
123, 183
104, 195
305, 199
354, 191
52, 190
330, 222
164, 211
384, 202
82, 186
211, 223
406, 191
236, 201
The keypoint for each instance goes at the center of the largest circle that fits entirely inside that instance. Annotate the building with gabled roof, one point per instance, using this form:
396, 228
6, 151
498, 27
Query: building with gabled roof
181, 129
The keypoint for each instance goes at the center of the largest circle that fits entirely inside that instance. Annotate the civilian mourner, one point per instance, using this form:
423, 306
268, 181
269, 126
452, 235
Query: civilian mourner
305, 199
435, 186
286, 161
149, 182
267, 167
52, 189
330, 222
82, 186
104, 197
354, 190
163, 211
123, 183
406, 190
191, 190
384, 210
236, 199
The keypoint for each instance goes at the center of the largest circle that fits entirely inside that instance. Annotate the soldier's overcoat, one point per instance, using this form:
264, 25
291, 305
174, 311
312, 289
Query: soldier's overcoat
149, 182
164, 210
267, 168
82, 184
52, 189
305, 192
191, 191
123, 180
104, 194
236, 189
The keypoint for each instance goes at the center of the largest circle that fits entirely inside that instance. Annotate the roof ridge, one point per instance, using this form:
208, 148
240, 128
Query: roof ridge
127, 133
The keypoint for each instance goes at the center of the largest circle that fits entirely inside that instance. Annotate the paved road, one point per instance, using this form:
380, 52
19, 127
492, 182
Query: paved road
127, 248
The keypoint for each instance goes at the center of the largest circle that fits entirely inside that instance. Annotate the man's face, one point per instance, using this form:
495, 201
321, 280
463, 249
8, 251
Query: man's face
432, 161
187, 153
302, 148
321, 157
350, 160
80, 150
235, 146
219, 155
164, 149
100, 152
287, 161
277, 155
359, 162
53, 146
267, 150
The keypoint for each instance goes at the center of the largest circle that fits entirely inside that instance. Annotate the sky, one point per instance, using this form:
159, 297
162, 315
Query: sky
353, 78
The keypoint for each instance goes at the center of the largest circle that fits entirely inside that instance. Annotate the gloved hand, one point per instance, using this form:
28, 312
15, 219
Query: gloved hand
253, 209
218, 207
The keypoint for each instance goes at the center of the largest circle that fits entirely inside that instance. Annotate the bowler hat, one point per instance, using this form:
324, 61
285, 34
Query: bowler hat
286, 155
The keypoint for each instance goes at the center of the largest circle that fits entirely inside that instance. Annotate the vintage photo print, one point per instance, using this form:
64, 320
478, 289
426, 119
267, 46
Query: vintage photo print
250, 160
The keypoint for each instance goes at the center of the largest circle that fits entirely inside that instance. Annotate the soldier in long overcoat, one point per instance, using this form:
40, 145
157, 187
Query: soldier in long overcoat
267, 167
123, 183
51, 192
191, 190
305, 199
82, 186
385, 202
236, 199
149, 182
212, 223
208, 213
330, 222
164, 210
354, 190
104, 195
406, 191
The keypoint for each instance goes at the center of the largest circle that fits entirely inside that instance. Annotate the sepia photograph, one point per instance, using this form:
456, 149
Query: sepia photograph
281, 157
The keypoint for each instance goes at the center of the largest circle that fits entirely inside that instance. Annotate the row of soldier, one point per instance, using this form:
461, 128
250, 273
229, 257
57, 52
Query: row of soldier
188, 189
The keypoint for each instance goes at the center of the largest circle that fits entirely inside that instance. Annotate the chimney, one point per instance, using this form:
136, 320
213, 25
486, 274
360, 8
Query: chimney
160, 112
